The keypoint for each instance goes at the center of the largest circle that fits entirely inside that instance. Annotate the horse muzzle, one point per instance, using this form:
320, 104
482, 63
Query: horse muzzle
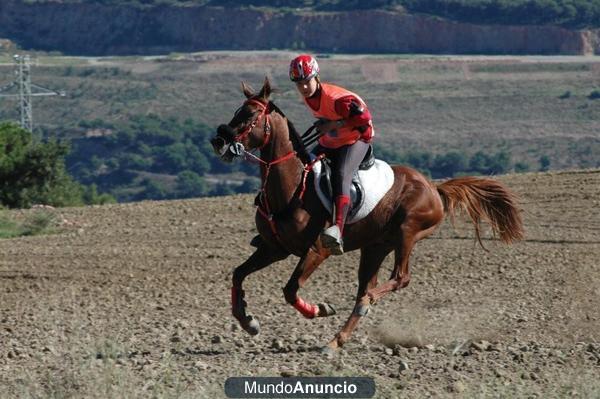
219, 145
227, 151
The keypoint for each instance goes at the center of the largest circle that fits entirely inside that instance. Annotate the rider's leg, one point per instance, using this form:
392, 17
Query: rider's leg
347, 160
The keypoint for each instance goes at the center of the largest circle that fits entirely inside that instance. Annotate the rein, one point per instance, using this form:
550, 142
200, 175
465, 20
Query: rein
263, 207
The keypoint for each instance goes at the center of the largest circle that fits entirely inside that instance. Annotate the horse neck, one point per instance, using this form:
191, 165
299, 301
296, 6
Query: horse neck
284, 177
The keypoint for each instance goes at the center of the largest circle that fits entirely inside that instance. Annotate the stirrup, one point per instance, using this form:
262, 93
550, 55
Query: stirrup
331, 238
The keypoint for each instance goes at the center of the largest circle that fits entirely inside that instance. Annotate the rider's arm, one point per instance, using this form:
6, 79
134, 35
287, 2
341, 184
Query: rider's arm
352, 113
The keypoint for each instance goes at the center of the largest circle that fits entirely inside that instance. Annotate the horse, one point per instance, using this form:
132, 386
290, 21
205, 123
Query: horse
290, 216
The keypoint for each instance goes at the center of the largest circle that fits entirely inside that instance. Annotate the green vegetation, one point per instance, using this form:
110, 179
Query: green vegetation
149, 157
565, 95
570, 13
34, 173
454, 163
544, 163
140, 128
154, 158
39, 222
594, 95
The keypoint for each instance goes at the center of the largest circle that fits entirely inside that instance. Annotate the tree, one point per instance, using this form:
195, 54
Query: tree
153, 190
479, 162
521, 167
222, 189
33, 173
486, 164
190, 184
500, 163
544, 163
91, 196
447, 165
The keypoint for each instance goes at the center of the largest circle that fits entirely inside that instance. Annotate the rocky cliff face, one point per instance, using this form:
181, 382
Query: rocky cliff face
592, 39
94, 29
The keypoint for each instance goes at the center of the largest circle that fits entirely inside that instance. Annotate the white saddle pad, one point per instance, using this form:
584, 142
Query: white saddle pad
376, 182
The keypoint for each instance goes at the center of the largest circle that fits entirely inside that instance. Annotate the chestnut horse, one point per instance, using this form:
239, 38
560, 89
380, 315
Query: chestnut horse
290, 215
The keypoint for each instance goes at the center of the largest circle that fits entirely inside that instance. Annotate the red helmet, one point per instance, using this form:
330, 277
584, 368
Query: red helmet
303, 67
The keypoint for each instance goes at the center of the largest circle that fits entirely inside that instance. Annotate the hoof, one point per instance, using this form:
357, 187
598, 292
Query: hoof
325, 310
251, 326
361, 310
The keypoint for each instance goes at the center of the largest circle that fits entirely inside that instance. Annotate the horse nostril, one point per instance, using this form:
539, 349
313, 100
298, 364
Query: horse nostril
218, 142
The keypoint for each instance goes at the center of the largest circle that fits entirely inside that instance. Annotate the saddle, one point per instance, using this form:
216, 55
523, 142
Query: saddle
370, 183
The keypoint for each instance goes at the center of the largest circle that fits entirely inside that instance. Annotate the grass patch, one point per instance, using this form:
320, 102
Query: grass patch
39, 222
8, 227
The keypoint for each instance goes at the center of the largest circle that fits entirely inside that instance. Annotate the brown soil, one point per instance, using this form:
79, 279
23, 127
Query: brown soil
132, 300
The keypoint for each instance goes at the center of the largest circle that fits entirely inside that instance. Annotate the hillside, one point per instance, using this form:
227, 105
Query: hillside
153, 27
133, 300
568, 13
528, 108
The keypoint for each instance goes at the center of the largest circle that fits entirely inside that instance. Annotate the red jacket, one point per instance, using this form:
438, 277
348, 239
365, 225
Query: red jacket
334, 103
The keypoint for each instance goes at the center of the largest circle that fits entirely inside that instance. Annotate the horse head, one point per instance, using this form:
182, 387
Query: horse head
250, 127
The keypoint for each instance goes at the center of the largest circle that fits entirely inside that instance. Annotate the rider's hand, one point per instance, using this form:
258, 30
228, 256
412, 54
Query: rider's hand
325, 126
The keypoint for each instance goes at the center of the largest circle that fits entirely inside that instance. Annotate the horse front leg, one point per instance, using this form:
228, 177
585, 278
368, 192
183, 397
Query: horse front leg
307, 265
261, 258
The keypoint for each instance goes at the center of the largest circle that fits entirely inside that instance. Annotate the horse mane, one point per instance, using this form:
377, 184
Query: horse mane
295, 137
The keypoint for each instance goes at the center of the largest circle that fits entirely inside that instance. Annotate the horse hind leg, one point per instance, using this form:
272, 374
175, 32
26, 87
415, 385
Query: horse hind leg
400, 276
370, 262
261, 258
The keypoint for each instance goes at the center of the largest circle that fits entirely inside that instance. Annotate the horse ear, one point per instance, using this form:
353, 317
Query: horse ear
265, 92
248, 91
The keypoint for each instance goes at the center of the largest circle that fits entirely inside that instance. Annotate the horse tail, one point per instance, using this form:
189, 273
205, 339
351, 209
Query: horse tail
485, 199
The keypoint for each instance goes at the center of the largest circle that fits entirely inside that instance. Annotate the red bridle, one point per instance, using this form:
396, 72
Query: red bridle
263, 207
265, 112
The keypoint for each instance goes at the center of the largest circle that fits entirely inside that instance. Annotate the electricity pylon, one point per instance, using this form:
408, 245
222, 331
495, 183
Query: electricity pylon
23, 82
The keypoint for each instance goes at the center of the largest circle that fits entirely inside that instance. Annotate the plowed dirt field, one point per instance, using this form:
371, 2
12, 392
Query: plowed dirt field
133, 300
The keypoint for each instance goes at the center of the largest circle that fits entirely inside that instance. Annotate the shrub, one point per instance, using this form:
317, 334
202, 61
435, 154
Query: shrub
544, 163
92, 197
594, 95
39, 222
521, 167
566, 94
33, 172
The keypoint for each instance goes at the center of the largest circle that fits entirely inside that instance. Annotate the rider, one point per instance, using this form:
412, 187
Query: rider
346, 131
